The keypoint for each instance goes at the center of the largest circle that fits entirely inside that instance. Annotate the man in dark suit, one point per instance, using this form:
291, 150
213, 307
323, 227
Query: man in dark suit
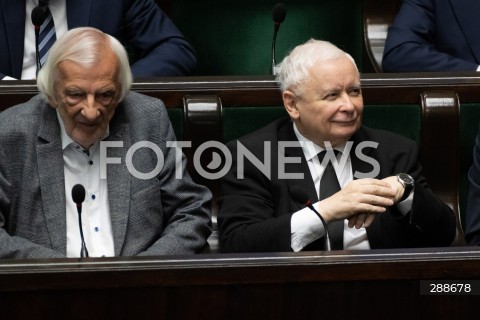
434, 35
383, 200
159, 47
86, 128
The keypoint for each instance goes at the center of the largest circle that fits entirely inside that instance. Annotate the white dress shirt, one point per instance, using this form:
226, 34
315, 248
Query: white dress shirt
83, 167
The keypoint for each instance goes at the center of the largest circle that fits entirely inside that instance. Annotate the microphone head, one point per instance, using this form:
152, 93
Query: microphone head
299, 194
78, 193
279, 13
39, 14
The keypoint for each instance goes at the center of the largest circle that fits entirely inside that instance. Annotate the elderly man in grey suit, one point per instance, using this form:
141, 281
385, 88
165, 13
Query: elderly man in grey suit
87, 128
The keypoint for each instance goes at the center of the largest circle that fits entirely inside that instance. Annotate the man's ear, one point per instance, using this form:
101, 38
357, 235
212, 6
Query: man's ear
290, 104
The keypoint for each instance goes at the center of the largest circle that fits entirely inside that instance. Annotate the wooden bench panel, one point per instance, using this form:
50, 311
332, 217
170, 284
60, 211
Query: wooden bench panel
246, 286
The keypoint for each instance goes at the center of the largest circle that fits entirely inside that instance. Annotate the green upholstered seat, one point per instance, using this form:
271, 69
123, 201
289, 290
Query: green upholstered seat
404, 119
235, 37
238, 121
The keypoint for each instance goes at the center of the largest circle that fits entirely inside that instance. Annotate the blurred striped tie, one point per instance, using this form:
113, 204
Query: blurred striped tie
46, 37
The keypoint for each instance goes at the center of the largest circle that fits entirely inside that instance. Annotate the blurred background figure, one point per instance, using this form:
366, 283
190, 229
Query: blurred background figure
156, 46
434, 35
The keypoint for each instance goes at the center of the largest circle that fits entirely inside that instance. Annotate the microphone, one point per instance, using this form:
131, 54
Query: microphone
300, 194
279, 13
78, 196
39, 14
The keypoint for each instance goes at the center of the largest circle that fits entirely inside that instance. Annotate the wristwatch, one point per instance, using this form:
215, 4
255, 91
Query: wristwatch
407, 182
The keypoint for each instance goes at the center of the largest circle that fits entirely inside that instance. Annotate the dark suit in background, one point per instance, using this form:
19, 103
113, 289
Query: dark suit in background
160, 46
255, 212
472, 218
434, 35
163, 215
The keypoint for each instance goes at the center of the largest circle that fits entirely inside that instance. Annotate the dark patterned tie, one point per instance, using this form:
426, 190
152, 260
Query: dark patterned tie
46, 36
328, 186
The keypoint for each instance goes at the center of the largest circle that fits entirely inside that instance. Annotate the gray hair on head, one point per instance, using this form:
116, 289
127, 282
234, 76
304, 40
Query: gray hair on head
83, 46
295, 67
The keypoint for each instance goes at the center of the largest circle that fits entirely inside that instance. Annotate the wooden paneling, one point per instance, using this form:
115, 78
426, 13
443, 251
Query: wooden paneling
377, 284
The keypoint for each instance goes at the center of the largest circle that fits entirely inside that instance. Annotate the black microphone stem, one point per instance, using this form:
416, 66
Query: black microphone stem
38, 17
275, 31
83, 250
278, 14
37, 54
300, 194
327, 235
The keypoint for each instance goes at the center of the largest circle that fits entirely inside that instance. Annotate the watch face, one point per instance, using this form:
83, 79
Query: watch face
406, 178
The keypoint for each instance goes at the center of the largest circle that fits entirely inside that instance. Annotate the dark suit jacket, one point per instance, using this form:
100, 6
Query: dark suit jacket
255, 212
434, 35
161, 48
472, 217
162, 215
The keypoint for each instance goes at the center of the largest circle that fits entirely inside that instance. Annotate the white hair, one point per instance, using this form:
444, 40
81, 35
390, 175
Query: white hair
295, 67
83, 46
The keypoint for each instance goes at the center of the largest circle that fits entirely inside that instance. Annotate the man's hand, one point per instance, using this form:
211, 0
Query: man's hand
396, 186
359, 202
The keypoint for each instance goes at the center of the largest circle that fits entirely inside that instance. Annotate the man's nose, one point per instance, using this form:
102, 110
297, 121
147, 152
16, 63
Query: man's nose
347, 103
90, 110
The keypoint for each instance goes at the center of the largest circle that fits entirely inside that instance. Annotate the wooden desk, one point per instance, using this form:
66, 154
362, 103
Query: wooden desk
378, 284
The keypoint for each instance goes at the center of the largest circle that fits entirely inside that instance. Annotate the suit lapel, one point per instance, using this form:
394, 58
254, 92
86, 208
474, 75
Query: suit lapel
15, 21
118, 181
374, 232
51, 176
463, 11
78, 13
361, 168
286, 133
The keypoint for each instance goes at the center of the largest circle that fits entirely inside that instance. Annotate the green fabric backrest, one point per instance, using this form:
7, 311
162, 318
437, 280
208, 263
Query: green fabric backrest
469, 126
404, 119
235, 37
238, 121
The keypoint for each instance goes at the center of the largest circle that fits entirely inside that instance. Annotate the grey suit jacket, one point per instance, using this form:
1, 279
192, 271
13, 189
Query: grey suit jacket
162, 215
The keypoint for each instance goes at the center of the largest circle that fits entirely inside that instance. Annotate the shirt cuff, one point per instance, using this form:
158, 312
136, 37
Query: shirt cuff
306, 227
405, 206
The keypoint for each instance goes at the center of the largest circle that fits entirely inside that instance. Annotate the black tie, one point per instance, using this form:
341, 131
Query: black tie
328, 186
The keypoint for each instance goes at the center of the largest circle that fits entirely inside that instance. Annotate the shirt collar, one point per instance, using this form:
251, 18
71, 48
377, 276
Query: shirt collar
311, 149
66, 139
